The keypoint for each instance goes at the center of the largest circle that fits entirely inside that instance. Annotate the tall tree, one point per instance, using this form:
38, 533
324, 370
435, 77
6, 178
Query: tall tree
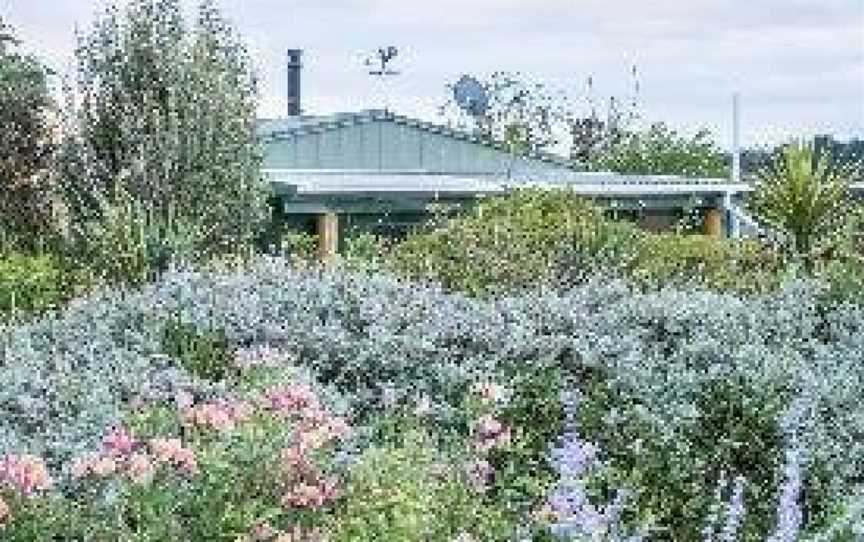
25, 140
169, 114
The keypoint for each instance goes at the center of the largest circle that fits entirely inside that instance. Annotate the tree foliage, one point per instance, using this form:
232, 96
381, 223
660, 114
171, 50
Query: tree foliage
531, 117
25, 140
806, 195
660, 150
169, 114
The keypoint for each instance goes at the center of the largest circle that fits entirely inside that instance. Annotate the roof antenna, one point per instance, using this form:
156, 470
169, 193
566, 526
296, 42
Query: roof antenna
591, 96
634, 104
384, 56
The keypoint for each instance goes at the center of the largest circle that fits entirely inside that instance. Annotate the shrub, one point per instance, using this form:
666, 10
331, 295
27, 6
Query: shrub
805, 195
30, 284
203, 354
406, 491
507, 242
742, 266
534, 413
299, 246
535, 237
216, 482
661, 352
129, 243
365, 250
845, 280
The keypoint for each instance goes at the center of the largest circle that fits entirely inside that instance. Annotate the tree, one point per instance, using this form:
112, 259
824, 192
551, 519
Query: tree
25, 141
518, 111
659, 150
806, 195
169, 114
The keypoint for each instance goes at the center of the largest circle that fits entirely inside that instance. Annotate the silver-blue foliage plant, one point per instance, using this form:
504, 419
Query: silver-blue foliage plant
65, 378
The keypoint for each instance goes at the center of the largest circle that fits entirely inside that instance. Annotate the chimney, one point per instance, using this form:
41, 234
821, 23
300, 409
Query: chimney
294, 66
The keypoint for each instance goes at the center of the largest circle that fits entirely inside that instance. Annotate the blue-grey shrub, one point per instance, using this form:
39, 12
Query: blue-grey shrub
64, 379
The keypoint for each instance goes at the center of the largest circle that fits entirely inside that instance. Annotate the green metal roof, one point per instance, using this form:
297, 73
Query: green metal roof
270, 130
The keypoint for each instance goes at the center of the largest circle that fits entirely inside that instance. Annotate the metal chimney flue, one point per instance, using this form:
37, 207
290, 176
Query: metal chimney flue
294, 65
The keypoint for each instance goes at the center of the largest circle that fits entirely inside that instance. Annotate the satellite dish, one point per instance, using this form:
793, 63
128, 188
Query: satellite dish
470, 96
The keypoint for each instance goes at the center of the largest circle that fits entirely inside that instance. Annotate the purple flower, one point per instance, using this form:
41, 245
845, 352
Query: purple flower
788, 511
735, 513
574, 457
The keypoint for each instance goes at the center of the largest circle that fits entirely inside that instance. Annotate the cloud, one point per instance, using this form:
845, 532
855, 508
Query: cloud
798, 64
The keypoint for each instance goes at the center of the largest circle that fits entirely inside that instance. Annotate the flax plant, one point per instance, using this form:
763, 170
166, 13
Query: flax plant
805, 195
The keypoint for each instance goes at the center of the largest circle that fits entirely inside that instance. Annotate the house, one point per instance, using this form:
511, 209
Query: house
381, 172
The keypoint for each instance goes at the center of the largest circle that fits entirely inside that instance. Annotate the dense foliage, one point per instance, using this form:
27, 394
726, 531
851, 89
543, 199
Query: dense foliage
806, 196
25, 144
659, 150
30, 284
167, 114
671, 370
536, 236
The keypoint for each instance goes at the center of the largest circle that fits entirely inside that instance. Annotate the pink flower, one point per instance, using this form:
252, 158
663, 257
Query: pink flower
172, 451
303, 495
118, 441
207, 416
220, 415
24, 473
294, 460
479, 473
261, 531
314, 437
164, 450
291, 399
490, 433
104, 466
187, 461
139, 468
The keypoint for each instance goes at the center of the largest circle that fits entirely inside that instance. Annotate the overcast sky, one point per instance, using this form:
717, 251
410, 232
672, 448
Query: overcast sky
798, 64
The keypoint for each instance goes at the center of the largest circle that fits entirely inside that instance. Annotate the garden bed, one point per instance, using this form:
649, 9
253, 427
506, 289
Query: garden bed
357, 406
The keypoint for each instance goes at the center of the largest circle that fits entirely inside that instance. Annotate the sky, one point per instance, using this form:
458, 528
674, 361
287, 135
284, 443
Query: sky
798, 65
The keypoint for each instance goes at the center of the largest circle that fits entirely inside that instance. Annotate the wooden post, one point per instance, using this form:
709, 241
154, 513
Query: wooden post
713, 222
328, 236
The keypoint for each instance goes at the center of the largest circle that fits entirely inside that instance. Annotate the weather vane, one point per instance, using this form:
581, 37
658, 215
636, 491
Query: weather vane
384, 57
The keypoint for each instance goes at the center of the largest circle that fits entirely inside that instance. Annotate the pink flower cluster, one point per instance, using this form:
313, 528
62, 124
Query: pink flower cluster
122, 454
291, 399
315, 432
24, 473
221, 415
172, 451
489, 433
479, 473
311, 495
305, 485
